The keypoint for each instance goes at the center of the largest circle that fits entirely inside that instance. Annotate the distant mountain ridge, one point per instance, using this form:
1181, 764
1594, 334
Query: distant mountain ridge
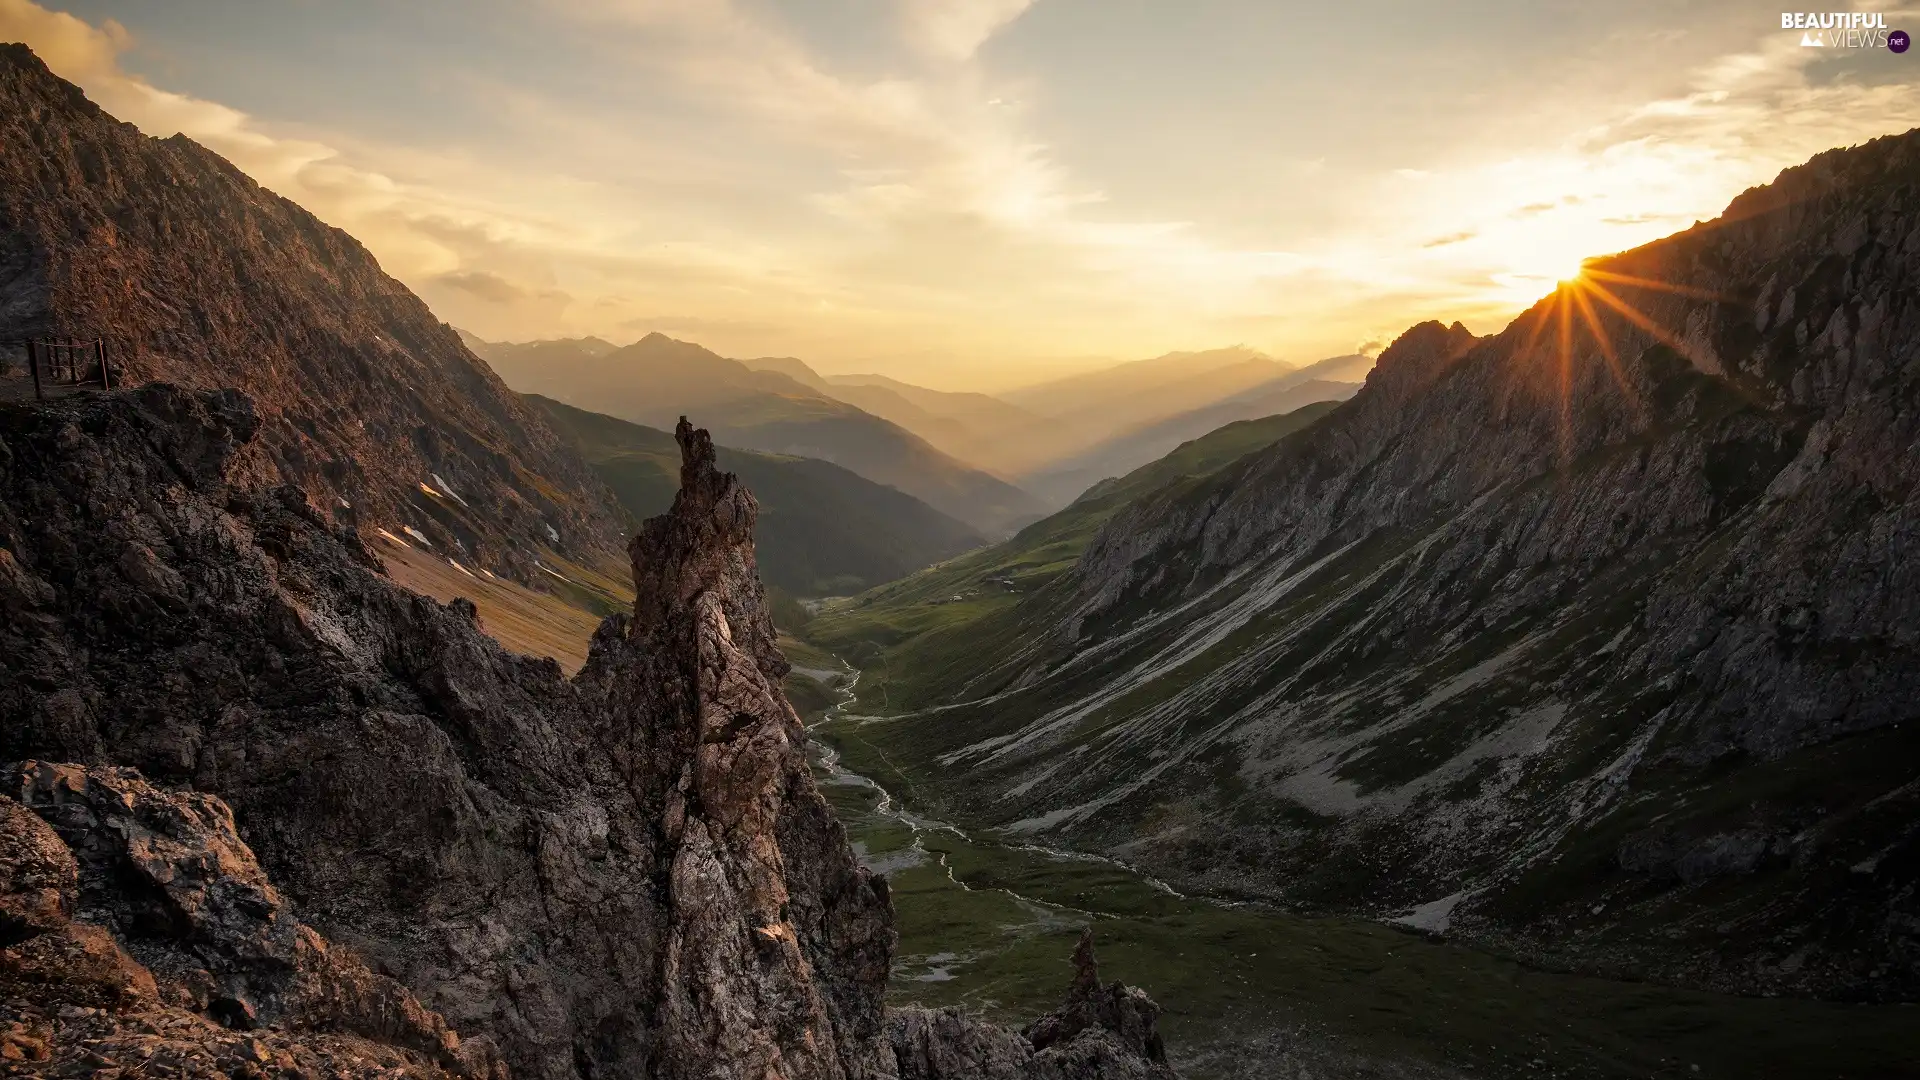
1111, 400
824, 530
1120, 454
657, 379
198, 276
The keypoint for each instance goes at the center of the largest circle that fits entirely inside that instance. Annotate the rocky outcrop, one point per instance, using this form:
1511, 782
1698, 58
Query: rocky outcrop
139, 928
197, 275
1593, 638
626, 874
1100, 1032
775, 943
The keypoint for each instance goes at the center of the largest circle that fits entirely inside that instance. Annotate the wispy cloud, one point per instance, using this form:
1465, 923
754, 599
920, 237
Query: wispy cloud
955, 29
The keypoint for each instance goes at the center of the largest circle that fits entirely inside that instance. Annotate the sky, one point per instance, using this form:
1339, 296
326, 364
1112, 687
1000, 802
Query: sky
975, 194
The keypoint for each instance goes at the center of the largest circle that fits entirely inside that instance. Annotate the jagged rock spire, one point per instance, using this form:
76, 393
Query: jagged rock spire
703, 544
1086, 969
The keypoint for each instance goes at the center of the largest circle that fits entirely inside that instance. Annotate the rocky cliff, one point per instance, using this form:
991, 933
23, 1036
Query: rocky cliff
1595, 638
626, 874
197, 275
139, 933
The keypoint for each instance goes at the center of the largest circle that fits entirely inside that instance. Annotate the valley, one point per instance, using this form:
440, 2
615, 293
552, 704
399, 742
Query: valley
985, 917
1588, 641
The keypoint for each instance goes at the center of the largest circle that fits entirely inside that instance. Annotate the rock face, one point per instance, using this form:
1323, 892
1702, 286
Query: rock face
1595, 638
775, 944
139, 927
1100, 1032
198, 276
626, 874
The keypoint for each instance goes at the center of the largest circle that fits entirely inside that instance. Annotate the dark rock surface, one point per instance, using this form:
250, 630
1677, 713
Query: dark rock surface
629, 873
1100, 1032
199, 276
153, 934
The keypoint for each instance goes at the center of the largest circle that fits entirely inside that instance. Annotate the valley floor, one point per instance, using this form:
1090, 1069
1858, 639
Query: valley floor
1250, 991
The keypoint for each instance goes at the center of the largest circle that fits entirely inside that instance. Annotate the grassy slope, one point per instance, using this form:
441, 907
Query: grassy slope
920, 633
823, 529
537, 624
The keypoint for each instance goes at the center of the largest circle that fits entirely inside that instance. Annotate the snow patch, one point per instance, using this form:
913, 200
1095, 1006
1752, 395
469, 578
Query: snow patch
1434, 916
448, 488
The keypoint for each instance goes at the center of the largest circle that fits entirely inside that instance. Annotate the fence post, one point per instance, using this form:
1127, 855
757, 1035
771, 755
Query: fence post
33, 365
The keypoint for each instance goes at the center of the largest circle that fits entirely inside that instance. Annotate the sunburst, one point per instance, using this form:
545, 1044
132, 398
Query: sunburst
1573, 313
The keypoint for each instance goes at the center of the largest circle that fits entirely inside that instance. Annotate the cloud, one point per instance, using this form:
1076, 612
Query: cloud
486, 286
955, 29
1451, 238
68, 45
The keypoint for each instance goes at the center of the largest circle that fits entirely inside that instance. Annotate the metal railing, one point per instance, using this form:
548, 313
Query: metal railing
56, 363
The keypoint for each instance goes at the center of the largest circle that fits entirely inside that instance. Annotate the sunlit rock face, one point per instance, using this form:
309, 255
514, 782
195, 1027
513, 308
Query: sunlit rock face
196, 275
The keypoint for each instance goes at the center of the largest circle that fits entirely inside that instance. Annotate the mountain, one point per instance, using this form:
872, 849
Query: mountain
823, 529
265, 811
533, 353
792, 367
658, 379
975, 428
1592, 640
1099, 404
972, 427
196, 275
1064, 481
985, 582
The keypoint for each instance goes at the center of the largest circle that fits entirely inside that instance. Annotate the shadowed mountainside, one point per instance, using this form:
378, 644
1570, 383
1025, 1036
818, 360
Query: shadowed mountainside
914, 619
824, 530
199, 276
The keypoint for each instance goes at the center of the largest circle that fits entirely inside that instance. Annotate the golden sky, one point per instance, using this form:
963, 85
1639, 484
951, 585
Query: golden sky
979, 193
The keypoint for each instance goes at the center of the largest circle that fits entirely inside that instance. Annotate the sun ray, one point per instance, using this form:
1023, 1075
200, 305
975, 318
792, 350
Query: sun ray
1527, 353
1637, 318
1564, 330
1649, 283
1605, 342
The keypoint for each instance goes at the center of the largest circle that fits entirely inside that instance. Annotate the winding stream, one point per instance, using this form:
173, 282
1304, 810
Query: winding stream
1254, 992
